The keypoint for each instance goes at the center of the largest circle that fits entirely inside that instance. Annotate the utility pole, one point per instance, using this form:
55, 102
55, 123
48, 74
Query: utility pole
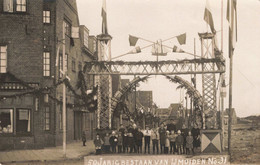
64, 92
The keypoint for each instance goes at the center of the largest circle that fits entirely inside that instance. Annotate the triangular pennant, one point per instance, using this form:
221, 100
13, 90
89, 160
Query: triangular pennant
182, 39
132, 40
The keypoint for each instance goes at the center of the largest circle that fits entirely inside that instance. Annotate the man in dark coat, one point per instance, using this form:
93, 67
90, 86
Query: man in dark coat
139, 140
162, 134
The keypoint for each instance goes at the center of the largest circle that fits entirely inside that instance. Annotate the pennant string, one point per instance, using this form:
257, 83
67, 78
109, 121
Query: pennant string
122, 55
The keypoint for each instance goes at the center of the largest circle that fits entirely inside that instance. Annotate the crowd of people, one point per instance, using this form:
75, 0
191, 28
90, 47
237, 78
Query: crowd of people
158, 140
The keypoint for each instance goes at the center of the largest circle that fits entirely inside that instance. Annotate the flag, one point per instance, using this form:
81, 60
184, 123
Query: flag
208, 17
232, 20
177, 50
57, 56
135, 50
182, 39
158, 49
104, 18
132, 40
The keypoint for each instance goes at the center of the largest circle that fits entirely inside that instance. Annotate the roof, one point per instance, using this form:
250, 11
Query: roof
232, 111
174, 106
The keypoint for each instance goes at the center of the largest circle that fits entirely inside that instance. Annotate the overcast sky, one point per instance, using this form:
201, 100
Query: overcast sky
161, 19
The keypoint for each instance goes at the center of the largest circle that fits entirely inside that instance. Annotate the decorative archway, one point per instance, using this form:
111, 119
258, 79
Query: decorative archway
197, 118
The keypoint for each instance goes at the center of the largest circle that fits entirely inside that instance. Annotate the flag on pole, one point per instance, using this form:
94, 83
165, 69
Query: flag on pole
132, 40
177, 49
182, 39
208, 17
232, 20
135, 50
104, 18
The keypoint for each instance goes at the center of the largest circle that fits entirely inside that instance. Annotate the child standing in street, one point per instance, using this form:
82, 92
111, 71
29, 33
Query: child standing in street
189, 143
107, 143
84, 138
179, 142
113, 142
98, 144
167, 143
139, 140
155, 140
119, 143
125, 142
131, 142
172, 138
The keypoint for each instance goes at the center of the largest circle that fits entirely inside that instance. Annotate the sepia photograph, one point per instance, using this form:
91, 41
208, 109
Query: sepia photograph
129, 82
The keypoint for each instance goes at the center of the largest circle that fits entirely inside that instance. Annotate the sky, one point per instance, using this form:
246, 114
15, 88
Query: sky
161, 19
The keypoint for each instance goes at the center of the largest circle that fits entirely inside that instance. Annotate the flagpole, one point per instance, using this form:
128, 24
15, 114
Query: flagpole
230, 78
64, 94
222, 81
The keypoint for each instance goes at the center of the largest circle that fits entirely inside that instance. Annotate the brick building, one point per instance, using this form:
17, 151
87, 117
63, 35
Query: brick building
31, 44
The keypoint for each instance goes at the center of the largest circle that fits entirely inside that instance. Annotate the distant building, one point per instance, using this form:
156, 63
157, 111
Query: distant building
163, 114
176, 109
233, 115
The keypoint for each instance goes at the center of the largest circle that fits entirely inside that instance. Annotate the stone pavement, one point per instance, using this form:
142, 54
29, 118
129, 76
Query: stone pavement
75, 150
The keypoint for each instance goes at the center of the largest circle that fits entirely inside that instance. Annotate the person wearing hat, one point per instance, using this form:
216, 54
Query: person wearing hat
113, 142
179, 142
147, 139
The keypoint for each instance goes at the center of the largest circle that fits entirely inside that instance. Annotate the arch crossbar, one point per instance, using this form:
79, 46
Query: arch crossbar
193, 66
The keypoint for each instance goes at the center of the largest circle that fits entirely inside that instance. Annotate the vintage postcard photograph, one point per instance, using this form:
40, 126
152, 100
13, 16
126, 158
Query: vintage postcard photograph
129, 82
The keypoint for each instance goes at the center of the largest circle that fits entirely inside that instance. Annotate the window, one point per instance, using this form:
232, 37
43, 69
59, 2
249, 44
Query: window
3, 59
8, 6
11, 6
6, 121
46, 64
47, 118
75, 32
67, 28
86, 35
46, 16
23, 121
21, 5
94, 46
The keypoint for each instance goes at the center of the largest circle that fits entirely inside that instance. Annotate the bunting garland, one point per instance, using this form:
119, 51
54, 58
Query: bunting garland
89, 100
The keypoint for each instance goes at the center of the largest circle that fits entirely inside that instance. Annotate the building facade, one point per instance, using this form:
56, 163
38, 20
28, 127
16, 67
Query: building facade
33, 33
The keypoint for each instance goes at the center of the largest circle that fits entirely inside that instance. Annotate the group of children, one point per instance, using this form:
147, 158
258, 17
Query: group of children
131, 141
